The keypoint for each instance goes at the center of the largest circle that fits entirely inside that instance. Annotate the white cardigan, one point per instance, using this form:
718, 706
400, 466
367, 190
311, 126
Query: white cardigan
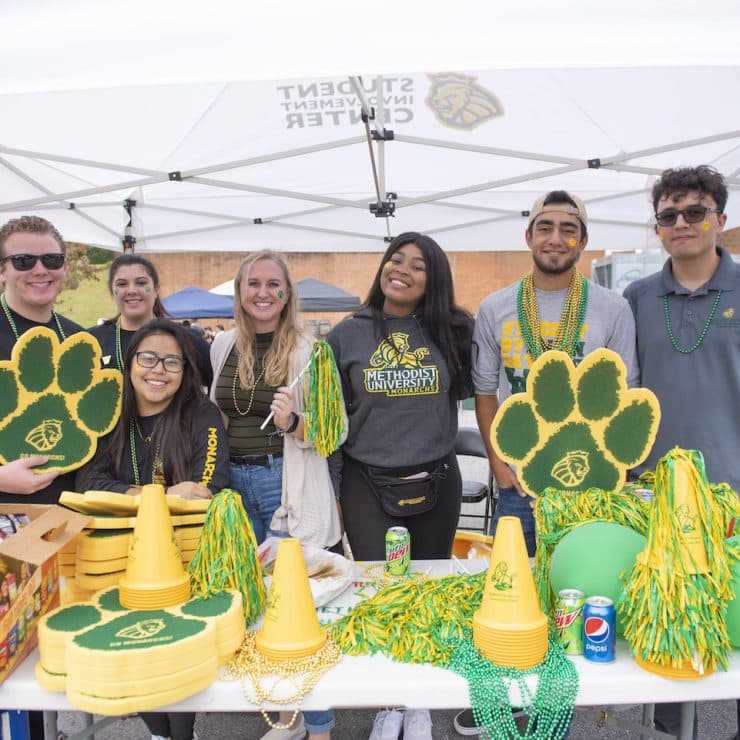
308, 510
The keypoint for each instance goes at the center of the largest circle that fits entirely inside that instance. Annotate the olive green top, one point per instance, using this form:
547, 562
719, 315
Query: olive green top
245, 435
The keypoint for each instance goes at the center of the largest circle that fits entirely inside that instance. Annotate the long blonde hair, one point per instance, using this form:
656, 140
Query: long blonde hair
277, 358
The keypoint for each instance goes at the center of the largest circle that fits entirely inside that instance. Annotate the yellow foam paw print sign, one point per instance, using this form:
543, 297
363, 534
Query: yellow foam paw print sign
55, 400
576, 427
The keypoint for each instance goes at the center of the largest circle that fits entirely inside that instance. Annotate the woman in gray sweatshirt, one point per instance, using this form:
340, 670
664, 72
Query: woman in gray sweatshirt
404, 360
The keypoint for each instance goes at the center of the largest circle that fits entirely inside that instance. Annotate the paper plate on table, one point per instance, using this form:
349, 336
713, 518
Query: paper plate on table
592, 557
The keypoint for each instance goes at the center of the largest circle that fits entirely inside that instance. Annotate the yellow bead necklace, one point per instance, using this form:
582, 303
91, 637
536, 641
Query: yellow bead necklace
571, 317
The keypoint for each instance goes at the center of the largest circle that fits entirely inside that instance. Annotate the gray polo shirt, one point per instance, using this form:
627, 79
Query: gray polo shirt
501, 360
699, 392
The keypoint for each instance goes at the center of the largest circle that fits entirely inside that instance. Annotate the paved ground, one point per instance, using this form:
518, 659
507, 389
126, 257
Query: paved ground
717, 720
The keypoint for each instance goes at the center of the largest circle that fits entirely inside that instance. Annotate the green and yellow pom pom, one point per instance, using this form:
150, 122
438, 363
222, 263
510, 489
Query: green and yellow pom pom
324, 411
674, 602
226, 557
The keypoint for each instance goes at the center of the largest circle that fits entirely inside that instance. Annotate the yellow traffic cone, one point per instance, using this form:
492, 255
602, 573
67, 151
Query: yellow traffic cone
291, 629
510, 627
155, 577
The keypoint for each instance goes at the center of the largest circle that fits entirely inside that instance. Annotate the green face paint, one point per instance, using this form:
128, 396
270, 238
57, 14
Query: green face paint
147, 288
280, 294
116, 291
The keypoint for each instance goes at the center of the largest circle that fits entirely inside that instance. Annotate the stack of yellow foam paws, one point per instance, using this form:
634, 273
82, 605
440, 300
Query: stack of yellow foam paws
140, 660
109, 503
111, 660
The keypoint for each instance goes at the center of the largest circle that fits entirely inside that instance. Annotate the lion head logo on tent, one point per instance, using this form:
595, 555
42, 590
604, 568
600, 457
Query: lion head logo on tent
458, 101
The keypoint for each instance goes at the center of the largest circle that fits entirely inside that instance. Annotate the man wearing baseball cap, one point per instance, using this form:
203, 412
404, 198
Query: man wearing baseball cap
553, 307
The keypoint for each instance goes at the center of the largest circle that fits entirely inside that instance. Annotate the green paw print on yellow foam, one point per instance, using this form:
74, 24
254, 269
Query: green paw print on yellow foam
55, 400
576, 427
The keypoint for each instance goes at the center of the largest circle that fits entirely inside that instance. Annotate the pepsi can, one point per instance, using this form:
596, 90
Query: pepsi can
599, 629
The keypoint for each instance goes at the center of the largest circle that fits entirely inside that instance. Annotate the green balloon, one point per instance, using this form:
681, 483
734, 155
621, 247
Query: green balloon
732, 616
592, 558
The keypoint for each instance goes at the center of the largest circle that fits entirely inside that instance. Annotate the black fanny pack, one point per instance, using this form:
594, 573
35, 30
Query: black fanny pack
401, 496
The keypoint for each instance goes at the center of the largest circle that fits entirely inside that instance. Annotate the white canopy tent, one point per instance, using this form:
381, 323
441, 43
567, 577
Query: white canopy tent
282, 158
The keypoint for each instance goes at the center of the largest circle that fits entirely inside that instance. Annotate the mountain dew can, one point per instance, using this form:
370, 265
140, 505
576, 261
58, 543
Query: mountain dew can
397, 551
569, 620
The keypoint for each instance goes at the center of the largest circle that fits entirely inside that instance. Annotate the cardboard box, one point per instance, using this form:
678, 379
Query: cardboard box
29, 576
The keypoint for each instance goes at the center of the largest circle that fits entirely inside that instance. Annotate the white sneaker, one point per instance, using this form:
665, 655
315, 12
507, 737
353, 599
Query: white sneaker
298, 732
387, 725
417, 724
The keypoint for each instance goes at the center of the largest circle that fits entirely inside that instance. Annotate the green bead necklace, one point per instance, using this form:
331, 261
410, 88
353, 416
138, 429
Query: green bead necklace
11, 320
703, 332
549, 711
119, 353
571, 318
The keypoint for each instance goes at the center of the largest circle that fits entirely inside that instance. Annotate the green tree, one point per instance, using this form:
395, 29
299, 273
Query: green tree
79, 267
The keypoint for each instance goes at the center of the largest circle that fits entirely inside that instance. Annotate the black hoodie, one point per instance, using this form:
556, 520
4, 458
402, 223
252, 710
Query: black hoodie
400, 407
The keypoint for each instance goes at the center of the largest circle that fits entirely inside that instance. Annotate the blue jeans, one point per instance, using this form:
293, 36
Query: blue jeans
318, 722
261, 491
510, 503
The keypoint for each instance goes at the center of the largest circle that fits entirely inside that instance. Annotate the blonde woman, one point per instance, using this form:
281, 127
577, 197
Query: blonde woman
284, 484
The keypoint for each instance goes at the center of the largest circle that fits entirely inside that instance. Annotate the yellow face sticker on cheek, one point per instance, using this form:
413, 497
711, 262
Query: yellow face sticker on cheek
388, 265
705, 226
572, 242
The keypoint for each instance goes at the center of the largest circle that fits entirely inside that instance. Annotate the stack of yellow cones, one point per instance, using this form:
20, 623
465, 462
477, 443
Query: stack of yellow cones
291, 629
510, 628
155, 577
98, 557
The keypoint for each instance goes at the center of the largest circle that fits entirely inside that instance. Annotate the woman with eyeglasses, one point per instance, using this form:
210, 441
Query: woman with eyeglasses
133, 283
167, 427
168, 433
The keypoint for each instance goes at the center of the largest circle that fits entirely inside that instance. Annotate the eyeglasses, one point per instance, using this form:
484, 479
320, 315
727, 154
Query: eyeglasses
170, 363
691, 214
26, 262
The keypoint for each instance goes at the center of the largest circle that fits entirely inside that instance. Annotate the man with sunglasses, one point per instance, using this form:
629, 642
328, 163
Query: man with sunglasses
688, 334
32, 254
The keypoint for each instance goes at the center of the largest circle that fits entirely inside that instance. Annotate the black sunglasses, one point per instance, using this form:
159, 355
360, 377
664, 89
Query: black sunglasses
691, 214
26, 262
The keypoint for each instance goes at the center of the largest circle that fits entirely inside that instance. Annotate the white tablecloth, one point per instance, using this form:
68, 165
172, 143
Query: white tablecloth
378, 681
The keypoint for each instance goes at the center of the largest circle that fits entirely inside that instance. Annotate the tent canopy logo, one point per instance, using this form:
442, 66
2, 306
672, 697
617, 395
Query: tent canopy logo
458, 101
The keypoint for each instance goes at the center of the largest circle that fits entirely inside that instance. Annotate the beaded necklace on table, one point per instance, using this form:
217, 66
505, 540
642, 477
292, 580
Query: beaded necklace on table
14, 328
571, 317
702, 333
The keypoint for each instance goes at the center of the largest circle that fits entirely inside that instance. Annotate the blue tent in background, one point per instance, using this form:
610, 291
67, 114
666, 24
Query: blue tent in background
194, 303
